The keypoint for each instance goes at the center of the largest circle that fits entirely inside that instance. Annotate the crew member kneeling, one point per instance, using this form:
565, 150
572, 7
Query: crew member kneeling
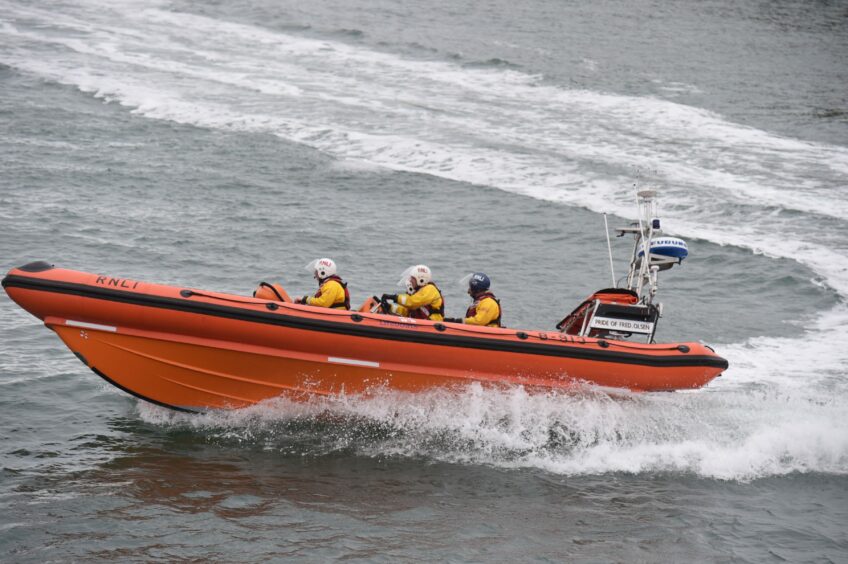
486, 308
423, 299
332, 290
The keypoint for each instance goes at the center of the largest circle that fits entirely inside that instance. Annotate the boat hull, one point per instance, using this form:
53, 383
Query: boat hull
195, 350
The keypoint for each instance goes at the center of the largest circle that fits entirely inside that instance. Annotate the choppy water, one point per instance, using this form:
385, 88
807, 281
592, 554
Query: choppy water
219, 144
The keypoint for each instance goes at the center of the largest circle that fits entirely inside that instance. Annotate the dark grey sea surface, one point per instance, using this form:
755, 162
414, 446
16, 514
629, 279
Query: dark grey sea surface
215, 145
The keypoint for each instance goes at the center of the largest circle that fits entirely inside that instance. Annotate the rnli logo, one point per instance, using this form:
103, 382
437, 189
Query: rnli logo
117, 282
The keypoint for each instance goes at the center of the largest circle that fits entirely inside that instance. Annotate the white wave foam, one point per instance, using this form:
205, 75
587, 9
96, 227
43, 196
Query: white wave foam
486, 126
738, 434
816, 357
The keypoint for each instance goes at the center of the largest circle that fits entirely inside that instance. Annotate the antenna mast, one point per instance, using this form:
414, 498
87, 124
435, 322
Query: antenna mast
609, 248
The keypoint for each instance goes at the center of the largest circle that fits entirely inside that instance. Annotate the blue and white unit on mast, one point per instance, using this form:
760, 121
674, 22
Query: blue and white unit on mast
663, 251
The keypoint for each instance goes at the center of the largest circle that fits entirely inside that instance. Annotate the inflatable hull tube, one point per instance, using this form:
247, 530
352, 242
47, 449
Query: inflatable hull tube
195, 350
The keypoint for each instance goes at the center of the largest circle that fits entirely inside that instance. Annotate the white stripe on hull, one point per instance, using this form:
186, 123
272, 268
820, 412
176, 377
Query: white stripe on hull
84, 325
353, 361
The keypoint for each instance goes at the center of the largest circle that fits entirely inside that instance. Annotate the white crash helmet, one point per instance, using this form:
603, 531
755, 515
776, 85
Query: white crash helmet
420, 272
322, 268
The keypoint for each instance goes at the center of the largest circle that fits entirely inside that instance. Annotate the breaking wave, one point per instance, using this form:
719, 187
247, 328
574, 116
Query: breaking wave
740, 435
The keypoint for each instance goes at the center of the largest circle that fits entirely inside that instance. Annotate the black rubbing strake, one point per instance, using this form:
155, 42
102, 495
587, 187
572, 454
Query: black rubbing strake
139, 396
81, 357
332, 326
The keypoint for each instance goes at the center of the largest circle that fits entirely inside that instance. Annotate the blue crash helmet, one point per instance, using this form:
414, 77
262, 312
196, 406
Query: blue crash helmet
476, 282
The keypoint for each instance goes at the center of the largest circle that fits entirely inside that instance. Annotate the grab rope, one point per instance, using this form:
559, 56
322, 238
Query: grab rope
190, 293
440, 326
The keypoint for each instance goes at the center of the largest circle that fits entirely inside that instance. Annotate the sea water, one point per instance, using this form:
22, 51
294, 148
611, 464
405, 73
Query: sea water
219, 144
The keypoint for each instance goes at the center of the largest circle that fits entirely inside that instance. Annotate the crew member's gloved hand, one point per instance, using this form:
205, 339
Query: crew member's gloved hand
453, 319
302, 300
386, 297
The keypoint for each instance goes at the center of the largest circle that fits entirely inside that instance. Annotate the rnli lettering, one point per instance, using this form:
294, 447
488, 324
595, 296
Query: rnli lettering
116, 282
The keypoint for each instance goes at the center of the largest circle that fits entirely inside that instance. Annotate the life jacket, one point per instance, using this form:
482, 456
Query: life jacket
472, 310
338, 305
424, 312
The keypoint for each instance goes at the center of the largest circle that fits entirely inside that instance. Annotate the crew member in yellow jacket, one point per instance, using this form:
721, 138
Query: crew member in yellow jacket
423, 299
332, 290
486, 308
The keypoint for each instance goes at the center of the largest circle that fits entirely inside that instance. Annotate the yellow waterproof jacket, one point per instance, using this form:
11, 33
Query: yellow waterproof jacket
485, 311
427, 303
330, 294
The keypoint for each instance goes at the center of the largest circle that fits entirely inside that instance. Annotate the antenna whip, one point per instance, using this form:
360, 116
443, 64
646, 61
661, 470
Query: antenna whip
609, 248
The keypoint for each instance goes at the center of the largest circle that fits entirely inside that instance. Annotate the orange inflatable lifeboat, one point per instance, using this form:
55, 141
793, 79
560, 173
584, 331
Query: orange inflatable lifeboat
195, 350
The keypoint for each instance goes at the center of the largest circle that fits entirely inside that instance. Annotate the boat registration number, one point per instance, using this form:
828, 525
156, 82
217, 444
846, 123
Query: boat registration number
626, 325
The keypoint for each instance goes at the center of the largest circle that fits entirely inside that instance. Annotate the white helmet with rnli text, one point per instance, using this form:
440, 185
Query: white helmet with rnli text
415, 277
322, 268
